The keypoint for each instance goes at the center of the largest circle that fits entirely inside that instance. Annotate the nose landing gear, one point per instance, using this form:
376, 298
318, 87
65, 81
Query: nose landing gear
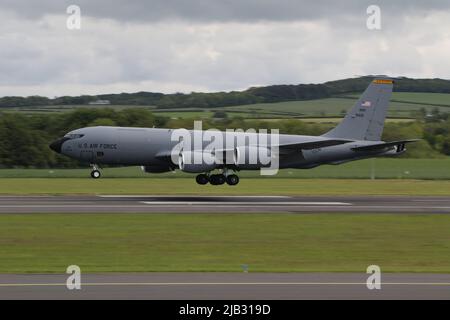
95, 173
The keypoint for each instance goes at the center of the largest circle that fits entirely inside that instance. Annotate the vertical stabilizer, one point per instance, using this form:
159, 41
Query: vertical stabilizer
365, 121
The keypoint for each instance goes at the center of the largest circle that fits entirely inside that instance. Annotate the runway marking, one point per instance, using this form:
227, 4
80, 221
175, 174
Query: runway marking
246, 203
187, 196
92, 284
163, 205
76, 206
432, 200
228, 205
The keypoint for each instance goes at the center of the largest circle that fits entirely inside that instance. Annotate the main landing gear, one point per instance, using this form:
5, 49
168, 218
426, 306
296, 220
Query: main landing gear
95, 173
202, 179
217, 179
232, 179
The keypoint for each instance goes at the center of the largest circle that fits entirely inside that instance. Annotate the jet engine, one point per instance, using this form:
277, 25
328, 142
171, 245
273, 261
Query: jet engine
396, 150
252, 157
196, 161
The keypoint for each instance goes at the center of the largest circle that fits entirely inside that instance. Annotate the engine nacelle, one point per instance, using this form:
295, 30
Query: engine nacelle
252, 157
196, 161
396, 151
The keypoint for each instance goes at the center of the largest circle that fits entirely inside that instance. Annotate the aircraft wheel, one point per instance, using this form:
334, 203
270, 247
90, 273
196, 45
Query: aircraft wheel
217, 179
232, 180
95, 174
202, 179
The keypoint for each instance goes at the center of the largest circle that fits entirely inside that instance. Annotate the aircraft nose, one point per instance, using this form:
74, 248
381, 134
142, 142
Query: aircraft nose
57, 144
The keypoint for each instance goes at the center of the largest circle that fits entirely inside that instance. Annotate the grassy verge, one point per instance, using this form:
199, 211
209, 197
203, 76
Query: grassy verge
383, 168
223, 242
250, 186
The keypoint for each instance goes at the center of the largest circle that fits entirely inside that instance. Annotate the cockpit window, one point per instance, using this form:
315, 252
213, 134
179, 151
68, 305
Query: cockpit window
74, 135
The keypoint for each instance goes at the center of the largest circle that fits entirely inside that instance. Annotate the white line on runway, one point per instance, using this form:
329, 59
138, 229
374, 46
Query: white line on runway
245, 203
255, 205
162, 205
187, 195
432, 200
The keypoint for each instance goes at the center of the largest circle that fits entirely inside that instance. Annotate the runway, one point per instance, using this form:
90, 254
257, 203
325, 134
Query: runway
226, 286
222, 204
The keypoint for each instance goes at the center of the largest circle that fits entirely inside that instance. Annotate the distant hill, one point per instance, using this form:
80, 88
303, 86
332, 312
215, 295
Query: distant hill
267, 94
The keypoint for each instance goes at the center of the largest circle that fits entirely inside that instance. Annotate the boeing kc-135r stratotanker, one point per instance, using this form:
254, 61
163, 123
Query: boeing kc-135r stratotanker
357, 136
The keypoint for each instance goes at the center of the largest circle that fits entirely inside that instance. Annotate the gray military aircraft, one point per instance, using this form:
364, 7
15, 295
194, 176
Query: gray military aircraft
357, 136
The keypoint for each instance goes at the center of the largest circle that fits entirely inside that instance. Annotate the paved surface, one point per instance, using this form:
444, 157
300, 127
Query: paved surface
207, 204
227, 286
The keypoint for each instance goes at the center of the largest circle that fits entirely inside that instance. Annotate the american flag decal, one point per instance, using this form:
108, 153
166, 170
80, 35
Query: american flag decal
366, 104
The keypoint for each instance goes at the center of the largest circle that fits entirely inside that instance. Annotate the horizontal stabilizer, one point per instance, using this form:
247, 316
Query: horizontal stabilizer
380, 146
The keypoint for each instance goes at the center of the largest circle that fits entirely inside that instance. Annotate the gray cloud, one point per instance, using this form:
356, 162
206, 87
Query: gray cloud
219, 10
213, 45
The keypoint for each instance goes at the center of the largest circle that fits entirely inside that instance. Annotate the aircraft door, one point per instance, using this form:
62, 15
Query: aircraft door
87, 155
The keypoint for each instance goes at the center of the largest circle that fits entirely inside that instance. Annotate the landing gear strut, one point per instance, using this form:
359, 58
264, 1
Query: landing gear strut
95, 173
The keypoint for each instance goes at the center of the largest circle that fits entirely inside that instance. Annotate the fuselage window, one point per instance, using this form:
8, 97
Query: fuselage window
74, 135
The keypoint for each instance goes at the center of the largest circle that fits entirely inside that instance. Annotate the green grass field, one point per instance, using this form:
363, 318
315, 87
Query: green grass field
382, 168
424, 98
249, 186
65, 108
335, 120
403, 105
333, 107
224, 242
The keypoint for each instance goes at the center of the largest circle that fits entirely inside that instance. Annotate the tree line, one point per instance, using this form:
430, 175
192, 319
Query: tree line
274, 93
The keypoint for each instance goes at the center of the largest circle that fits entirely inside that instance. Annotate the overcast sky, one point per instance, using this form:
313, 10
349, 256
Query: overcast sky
211, 45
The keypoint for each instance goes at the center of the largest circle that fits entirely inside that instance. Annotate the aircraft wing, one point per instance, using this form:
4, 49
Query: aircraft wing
383, 145
311, 145
283, 148
164, 155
